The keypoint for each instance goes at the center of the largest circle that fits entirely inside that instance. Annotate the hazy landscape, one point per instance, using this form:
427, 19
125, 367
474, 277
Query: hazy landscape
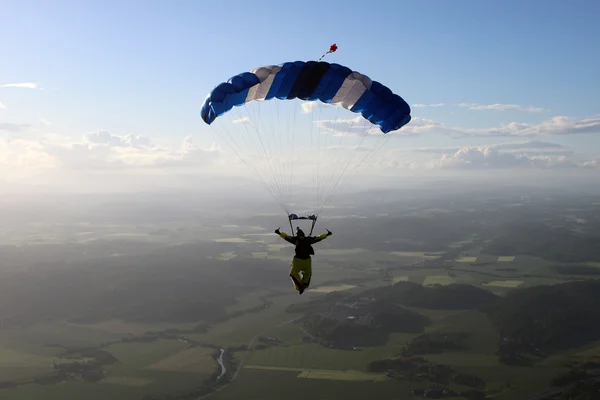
150, 151
486, 292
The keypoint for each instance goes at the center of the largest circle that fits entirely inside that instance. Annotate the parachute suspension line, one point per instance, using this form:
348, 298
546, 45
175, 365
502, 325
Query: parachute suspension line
245, 121
278, 139
323, 132
258, 129
270, 148
267, 188
312, 227
269, 162
291, 226
283, 140
344, 166
286, 159
341, 175
365, 161
319, 133
361, 164
280, 165
292, 155
361, 136
335, 166
312, 160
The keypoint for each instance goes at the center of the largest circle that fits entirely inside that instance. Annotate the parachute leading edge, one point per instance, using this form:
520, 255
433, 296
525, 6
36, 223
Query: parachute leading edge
311, 81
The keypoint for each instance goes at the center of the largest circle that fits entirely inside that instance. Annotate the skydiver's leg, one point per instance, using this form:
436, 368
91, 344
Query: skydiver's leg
295, 274
306, 272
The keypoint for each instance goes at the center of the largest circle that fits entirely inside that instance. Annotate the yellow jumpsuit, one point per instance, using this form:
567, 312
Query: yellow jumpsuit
301, 266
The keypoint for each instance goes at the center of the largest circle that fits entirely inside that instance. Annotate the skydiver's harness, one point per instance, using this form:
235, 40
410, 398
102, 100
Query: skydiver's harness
294, 217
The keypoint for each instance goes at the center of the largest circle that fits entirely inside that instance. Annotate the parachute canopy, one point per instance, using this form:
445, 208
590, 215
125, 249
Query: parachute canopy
306, 148
329, 83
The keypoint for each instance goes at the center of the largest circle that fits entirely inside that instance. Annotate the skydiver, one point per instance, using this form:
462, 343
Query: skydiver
301, 263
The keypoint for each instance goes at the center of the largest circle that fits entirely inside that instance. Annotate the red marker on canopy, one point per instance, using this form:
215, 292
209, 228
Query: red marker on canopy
332, 49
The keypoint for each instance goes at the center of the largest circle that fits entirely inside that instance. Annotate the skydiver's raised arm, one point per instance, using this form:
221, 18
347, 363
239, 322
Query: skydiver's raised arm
322, 236
285, 236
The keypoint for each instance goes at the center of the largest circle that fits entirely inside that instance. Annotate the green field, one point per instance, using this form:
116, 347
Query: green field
333, 375
438, 280
197, 360
292, 369
466, 259
332, 288
507, 284
226, 256
286, 385
141, 355
20, 366
248, 301
240, 330
506, 258
29, 353
162, 366
298, 355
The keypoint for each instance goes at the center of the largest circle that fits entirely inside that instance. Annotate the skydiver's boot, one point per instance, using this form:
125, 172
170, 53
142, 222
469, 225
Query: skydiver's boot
297, 284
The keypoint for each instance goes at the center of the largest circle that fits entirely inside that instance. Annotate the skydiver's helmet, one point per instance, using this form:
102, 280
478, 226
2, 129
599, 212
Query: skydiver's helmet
300, 233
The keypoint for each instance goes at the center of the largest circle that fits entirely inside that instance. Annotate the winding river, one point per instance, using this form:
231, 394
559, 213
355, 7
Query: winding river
220, 360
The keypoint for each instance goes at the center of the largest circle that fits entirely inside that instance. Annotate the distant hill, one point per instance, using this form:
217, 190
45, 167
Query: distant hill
176, 284
368, 317
362, 323
450, 297
547, 318
438, 297
557, 244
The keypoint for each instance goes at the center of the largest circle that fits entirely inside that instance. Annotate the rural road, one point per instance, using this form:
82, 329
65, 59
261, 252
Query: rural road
243, 360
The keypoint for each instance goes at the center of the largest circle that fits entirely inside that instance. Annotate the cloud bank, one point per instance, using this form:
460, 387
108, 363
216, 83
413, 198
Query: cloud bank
555, 126
480, 107
24, 85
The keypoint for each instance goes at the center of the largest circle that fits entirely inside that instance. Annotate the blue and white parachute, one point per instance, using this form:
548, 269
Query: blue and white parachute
304, 139
329, 83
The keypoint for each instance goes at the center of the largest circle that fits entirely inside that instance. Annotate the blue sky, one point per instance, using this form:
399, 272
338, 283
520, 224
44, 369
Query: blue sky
143, 68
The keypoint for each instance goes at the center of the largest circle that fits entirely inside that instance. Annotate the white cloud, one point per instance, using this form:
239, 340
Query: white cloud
242, 121
553, 127
10, 127
428, 105
501, 107
350, 127
592, 163
45, 121
491, 158
104, 137
22, 158
341, 125
309, 106
534, 147
25, 85
2, 105
477, 106
531, 154
103, 152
